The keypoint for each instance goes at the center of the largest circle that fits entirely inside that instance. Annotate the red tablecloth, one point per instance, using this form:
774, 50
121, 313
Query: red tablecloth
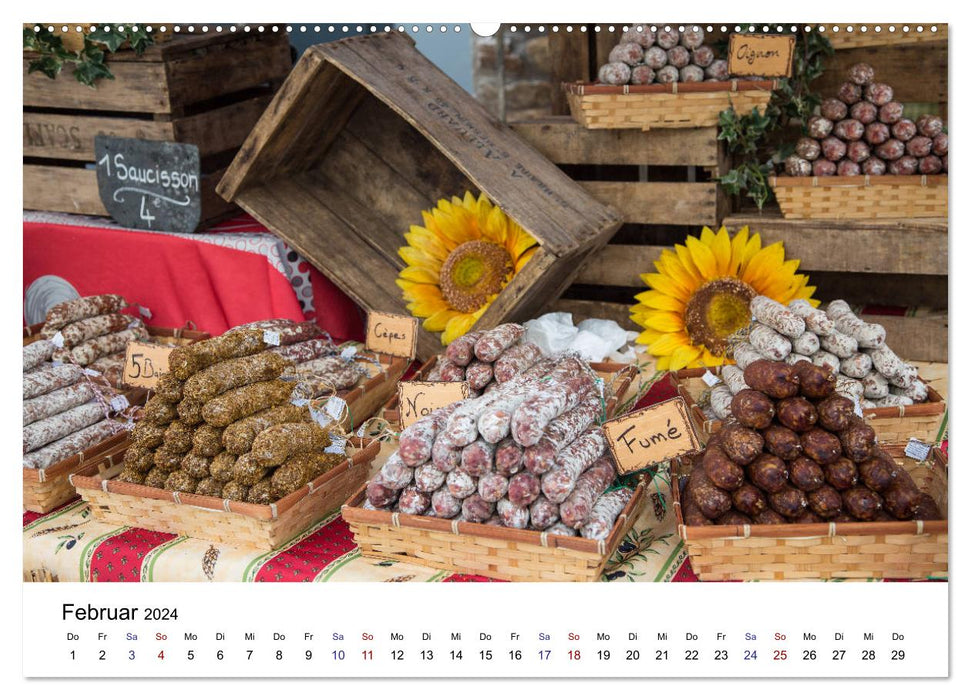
237, 273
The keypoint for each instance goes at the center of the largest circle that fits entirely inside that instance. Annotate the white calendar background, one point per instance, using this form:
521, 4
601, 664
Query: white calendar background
488, 630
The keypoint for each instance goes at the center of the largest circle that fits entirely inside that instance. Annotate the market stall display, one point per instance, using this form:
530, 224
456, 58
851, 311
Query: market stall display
795, 451
380, 154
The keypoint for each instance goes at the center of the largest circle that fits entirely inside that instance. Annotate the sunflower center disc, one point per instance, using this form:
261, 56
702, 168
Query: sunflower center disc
717, 310
472, 273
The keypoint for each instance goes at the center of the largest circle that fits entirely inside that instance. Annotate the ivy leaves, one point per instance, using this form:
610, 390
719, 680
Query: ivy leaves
89, 62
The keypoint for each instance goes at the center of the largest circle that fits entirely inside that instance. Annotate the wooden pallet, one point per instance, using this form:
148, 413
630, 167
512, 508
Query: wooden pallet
207, 89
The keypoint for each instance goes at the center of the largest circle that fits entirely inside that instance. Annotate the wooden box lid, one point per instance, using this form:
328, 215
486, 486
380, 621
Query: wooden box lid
366, 133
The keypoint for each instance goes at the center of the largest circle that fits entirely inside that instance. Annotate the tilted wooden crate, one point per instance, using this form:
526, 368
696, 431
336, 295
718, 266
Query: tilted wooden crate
664, 183
206, 89
364, 135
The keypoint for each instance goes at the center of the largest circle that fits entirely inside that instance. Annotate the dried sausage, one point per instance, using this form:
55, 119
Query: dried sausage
66, 312
72, 444
49, 379
244, 401
492, 343
231, 374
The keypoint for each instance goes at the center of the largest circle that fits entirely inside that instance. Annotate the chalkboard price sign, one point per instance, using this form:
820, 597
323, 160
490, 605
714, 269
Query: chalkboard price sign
152, 185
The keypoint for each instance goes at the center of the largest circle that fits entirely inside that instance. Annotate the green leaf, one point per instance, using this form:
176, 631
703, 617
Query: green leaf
48, 65
112, 39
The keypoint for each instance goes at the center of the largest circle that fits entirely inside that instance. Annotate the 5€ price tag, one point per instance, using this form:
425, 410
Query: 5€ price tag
145, 363
392, 334
650, 436
418, 399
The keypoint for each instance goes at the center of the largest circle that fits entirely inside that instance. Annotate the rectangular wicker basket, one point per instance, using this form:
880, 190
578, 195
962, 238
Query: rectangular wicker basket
670, 106
923, 421
485, 550
880, 550
226, 522
617, 380
862, 196
50, 488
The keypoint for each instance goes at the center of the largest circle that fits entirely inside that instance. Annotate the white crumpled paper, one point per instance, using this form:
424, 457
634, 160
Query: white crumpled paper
595, 339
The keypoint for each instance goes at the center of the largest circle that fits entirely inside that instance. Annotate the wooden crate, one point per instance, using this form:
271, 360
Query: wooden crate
895, 550
914, 64
222, 521
861, 197
485, 550
670, 106
858, 39
617, 379
364, 135
662, 181
924, 421
49, 488
206, 89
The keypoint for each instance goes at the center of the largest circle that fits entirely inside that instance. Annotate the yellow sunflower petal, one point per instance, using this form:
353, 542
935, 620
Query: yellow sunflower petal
738, 250
425, 308
458, 326
665, 285
764, 264
663, 363
665, 321
684, 258
438, 321
657, 300
518, 243
710, 360
647, 337
721, 248
423, 239
422, 275
683, 356
668, 343
525, 258
419, 258
752, 247
703, 258
669, 265
707, 235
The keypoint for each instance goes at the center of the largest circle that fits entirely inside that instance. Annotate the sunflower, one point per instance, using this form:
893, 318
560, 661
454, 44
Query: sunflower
701, 291
459, 261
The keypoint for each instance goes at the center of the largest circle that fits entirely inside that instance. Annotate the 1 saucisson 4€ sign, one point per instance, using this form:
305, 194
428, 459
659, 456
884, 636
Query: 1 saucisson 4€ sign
392, 334
652, 435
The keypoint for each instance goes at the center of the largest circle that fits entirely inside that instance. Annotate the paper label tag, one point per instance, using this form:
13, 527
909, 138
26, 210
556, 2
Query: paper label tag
58, 340
768, 55
144, 311
392, 334
118, 403
709, 378
349, 353
299, 402
320, 418
335, 407
418, 399
857, 406
145, 363
650, 436
338, 445
917, 450
271, 337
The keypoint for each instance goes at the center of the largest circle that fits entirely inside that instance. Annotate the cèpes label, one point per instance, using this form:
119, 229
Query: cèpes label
418, 399
768, 55
392, 334
145, 363
652, 435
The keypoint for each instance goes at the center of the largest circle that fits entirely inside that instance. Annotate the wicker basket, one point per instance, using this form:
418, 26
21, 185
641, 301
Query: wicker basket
223, 521
49, 488
862, 197
364, 400
923, 421
671, 106
897, 550
617, 380
485, 550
